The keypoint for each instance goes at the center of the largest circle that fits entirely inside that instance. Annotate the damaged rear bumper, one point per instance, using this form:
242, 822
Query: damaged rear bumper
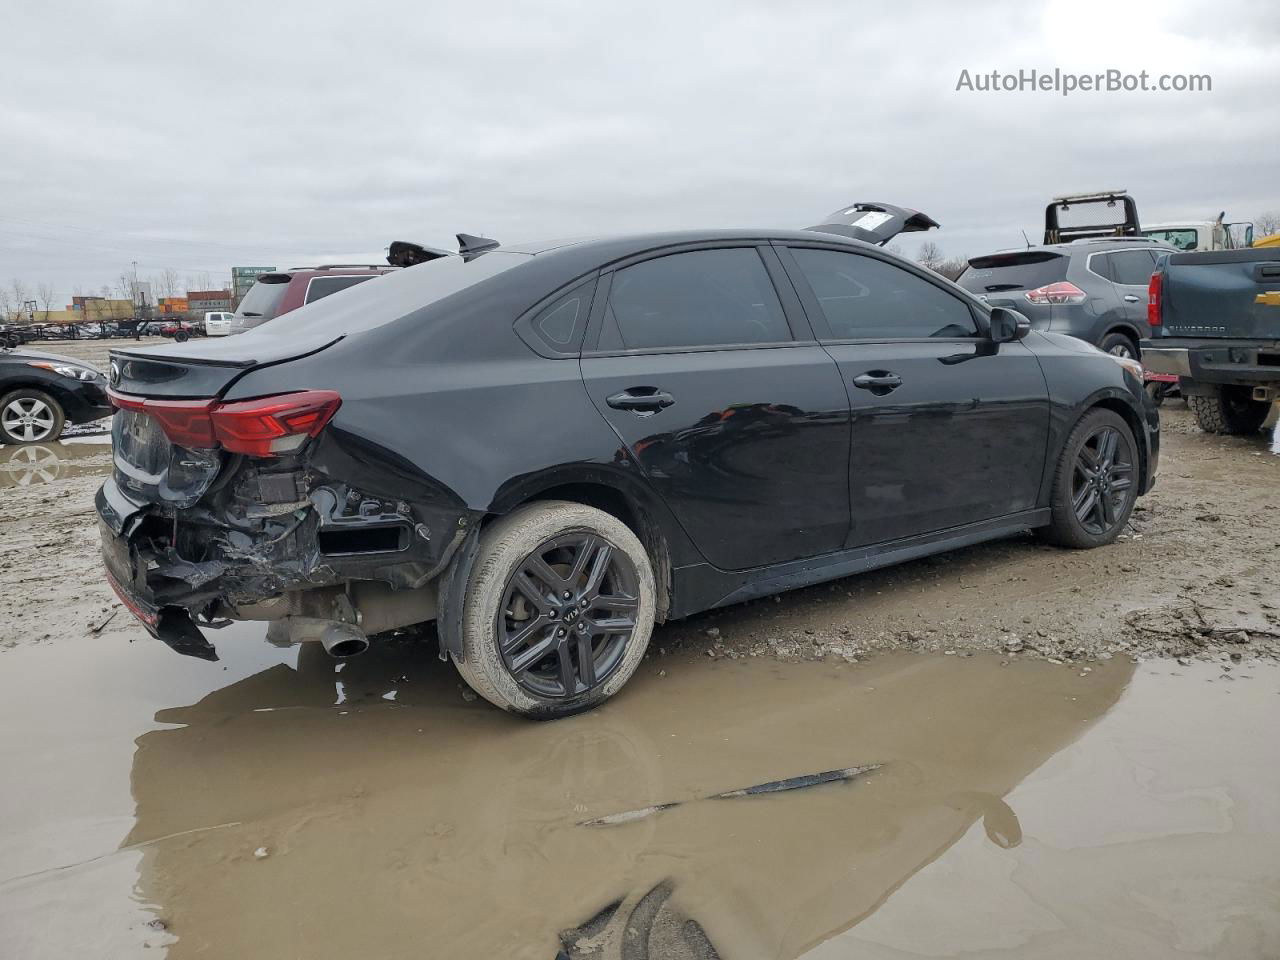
283, 546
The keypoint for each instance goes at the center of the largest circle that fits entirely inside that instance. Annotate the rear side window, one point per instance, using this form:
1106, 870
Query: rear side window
1132, 267
320, 287
1013, 271
704, 298
264, 297
1182, 239
864, 298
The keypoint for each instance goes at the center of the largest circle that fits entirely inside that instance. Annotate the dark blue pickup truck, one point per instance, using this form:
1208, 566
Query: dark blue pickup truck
1215, 324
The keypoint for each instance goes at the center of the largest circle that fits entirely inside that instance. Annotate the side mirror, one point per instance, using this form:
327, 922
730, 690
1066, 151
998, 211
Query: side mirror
1008, 325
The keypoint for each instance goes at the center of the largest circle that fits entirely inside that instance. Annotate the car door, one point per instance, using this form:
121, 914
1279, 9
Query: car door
1131, 274
739, 421
947, 427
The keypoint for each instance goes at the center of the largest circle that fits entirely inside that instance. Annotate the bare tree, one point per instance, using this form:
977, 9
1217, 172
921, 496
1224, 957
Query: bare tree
1265, 224
930, 253
19, 294
45, 292
166, 283
124, 285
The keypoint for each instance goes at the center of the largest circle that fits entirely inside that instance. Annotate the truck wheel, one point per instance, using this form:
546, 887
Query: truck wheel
1119, 345
558, 611
1096, 482
1230, 410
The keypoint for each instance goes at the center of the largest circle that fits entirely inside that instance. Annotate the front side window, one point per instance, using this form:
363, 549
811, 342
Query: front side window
864, 298
1182, 239
321, 287
1132, 267
703, 298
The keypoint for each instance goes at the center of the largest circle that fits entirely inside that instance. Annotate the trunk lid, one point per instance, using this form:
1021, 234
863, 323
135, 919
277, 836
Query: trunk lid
874, 222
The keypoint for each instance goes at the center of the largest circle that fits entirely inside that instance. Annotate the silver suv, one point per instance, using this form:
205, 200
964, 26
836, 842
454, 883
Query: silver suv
1094, 289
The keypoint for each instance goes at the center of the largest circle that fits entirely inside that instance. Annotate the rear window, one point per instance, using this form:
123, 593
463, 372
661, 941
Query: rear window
1182, 239
1013, 271
263, 298
320, 287
395, 294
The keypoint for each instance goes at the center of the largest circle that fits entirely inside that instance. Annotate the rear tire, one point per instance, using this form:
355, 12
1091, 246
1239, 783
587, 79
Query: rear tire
1095, 484
530, 649
1120, 345
30, 416
1229, 410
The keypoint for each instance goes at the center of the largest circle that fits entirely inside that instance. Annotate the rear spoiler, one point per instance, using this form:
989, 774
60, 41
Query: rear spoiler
876, 223
1054, 232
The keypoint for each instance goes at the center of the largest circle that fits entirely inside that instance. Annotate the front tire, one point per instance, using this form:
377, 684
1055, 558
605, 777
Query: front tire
30, 416
558, 611
1096, 482
1229, 410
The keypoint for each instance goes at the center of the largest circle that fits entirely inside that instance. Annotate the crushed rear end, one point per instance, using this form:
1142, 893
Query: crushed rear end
260, 508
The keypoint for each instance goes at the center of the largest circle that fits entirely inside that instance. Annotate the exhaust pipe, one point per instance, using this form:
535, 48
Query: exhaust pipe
342, 640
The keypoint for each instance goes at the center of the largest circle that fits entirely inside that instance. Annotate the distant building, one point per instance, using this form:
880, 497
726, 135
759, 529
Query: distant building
200, 302
98, 309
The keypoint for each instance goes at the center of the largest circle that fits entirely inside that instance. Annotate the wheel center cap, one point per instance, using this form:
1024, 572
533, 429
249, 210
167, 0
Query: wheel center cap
570, 616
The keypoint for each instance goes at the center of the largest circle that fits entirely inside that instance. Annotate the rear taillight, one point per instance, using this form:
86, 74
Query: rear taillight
1060, 292
1155, 289
265, 427
273, 426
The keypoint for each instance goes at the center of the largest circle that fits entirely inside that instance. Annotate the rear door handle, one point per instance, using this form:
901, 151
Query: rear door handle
1130, 298
878, 381
641, 400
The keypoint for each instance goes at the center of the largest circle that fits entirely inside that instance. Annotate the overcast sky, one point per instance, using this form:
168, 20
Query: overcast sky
198, 139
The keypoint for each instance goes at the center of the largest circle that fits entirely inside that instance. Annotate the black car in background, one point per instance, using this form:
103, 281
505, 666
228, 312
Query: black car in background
41, 392
548, 448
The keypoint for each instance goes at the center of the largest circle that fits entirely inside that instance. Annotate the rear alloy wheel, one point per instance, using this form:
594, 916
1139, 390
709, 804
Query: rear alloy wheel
30, 416
1230, 410
1096, 483
558, 612
1118, 345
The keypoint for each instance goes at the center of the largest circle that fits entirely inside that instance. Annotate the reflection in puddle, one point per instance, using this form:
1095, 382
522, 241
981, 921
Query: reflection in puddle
428, 820
32, 464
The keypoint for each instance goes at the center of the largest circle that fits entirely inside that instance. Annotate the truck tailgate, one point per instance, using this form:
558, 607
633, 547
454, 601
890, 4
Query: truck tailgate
1228, 293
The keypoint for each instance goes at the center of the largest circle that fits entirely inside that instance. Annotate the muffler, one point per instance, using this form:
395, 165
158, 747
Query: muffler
342, 640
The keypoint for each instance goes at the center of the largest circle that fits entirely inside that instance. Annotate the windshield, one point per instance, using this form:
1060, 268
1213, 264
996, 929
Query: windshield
263, 299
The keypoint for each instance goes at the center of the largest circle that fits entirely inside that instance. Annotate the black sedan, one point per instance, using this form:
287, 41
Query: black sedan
41, 392
548, 448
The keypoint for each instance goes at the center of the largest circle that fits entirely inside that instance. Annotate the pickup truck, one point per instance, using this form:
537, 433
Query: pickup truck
1215, 325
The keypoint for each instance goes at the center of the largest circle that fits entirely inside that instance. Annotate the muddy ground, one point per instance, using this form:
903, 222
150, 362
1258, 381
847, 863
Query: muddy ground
1055, 802
1195, 576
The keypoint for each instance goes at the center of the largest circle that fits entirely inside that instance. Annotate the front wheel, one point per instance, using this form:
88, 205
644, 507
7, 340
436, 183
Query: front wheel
1229, 410
558, 611
30, 416
1096, 482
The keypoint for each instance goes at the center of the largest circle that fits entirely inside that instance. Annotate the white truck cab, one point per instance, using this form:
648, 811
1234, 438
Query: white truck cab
217, 323
1189, 235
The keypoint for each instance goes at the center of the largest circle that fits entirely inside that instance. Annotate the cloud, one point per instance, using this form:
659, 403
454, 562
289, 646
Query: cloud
200, 137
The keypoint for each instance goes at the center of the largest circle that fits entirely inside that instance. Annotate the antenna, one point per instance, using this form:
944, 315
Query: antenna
1026, 238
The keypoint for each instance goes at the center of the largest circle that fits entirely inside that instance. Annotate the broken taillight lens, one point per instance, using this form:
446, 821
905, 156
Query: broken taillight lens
1061, 292
264, 427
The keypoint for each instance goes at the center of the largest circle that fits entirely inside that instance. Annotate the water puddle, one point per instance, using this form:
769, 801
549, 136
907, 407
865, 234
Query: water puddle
273, 805
34, 464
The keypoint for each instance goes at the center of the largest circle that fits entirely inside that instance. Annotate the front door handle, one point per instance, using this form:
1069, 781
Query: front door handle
878, 382
1130, 298
641, 400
